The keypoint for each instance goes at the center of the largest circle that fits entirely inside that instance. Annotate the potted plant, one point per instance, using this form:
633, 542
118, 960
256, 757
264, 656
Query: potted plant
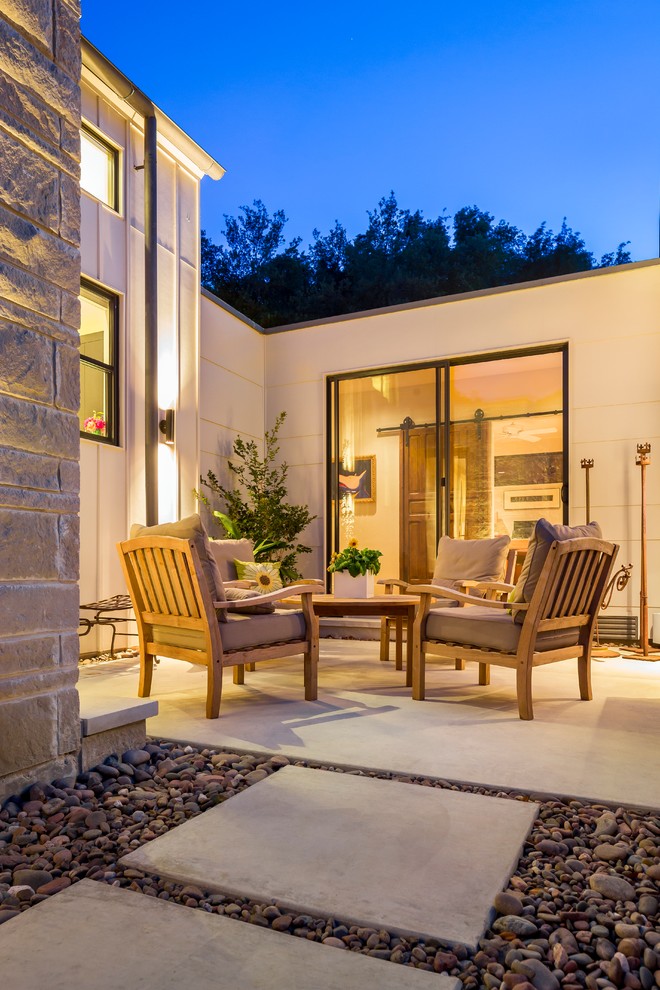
257, 508
354, 571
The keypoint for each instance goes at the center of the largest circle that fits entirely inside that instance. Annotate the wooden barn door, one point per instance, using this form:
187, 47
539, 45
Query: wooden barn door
417, 537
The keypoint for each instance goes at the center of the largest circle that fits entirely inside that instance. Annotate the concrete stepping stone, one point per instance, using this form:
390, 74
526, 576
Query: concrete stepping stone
94, 935
377, 853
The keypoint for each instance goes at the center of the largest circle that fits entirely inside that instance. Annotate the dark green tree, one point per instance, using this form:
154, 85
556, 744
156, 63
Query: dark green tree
400, 257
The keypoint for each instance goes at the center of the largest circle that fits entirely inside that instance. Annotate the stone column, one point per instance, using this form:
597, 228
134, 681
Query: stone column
39, 389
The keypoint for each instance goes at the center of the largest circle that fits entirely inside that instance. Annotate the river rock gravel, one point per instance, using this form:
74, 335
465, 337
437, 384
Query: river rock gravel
580, 910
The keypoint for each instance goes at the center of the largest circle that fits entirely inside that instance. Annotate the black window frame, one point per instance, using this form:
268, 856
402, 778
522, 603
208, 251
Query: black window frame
111, 369
442, 366
99, 138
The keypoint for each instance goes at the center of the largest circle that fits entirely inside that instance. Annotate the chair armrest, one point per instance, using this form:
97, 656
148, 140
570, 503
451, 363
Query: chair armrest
494, 586
436, 591
391, 583
272, 596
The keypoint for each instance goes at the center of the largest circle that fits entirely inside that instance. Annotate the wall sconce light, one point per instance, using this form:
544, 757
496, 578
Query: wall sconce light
166, 427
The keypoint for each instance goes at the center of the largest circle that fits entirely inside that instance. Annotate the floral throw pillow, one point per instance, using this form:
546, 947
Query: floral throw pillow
266, 574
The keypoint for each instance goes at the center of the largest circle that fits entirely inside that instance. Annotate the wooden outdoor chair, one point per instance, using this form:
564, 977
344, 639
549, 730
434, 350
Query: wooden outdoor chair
483, 568
556, 624
178, 617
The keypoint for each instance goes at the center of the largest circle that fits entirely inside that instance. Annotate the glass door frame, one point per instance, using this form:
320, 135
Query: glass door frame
443, 428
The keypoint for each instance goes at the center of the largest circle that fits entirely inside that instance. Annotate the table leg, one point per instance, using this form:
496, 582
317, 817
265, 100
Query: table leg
409, 643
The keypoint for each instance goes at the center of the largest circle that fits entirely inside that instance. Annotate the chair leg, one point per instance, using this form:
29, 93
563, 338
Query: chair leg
584, 677
524, 690
311, 669
398, 632
418, 668
459, 664
239, 674
250, 666
484, 674
146, 674
384, 638
214, 688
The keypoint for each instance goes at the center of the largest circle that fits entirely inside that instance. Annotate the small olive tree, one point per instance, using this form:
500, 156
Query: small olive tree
256, 507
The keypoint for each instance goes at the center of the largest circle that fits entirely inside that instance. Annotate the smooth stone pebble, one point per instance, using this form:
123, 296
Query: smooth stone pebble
507, 903
136, 757
648, 904
612, 887
611, 852
512, 923
31, 878
606, 824
539, 975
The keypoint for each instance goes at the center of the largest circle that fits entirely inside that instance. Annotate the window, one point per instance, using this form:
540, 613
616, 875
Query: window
471, 448
98, 364
99, 168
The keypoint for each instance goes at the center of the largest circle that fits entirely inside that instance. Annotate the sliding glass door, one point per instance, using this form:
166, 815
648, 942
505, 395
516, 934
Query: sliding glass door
472, 448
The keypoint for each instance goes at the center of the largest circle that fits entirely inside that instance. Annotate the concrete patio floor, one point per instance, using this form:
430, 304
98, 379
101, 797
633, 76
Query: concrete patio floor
603, 750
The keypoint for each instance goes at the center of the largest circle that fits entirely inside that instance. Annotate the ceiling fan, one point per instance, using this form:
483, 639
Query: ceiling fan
514, 431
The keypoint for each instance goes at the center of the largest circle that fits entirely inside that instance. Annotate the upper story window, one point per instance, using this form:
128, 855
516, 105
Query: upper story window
99, 168
98, 364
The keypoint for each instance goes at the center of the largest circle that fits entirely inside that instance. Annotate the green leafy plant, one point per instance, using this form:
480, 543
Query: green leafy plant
355, 561
257, 507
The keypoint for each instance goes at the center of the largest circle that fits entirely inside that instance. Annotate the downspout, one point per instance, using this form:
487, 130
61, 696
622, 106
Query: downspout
125, 89
151, 317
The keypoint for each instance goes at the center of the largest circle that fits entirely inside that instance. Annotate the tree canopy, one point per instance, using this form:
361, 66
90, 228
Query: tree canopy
401, 257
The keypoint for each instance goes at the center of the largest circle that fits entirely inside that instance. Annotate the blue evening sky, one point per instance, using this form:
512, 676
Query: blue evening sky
530, 109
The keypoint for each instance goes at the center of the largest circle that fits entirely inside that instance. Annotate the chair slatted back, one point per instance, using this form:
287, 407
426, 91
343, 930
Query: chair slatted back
572, 584
165, 580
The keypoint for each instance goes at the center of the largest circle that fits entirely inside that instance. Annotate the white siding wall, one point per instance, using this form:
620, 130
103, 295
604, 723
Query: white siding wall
112, 250
611, 321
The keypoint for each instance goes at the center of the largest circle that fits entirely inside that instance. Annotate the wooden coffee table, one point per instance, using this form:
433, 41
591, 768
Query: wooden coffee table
396, 607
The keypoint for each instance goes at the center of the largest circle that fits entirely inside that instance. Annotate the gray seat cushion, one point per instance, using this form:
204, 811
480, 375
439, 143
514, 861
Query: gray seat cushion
482, 627
241, 632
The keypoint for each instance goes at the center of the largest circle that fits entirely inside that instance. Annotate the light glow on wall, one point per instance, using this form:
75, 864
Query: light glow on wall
167, 378
168, 508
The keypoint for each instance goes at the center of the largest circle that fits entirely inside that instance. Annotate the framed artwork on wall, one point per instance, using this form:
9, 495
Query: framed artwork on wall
360, 481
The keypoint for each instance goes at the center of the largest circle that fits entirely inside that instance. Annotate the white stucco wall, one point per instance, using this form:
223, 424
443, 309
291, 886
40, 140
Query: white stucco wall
611, 322
231, 398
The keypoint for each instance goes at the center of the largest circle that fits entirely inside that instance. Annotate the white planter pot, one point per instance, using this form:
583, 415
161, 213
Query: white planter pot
345, 586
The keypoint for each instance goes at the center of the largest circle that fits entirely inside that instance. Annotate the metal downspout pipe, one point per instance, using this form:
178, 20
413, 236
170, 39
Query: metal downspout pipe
151, 435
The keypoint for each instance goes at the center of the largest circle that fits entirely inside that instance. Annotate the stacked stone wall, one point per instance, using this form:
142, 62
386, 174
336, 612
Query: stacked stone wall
39, 389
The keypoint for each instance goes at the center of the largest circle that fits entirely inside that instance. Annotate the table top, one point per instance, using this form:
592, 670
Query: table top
403, 600
391, 605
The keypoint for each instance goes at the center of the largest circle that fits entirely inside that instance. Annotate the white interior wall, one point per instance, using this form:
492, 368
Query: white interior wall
611, 321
